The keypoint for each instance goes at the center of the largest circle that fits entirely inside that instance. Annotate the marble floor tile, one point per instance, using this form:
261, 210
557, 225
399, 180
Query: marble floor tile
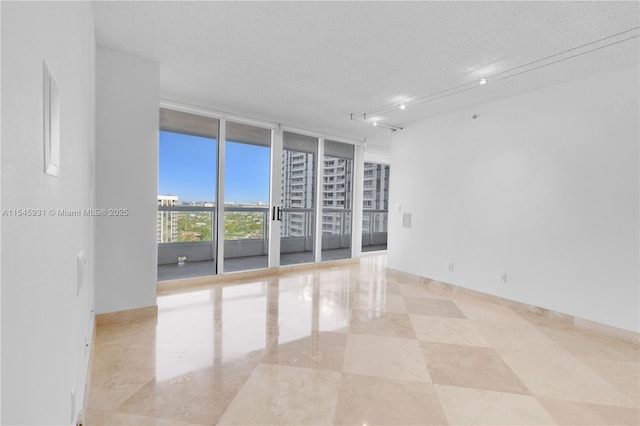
117, 372
377, 401
432, 307
321, 350
388, 324
580, 413
501, 327
447, 330
417, 290
624, 376
470, 366
556, 374
282, 395
353, 344
199, 396
97, 417
587, 344
378, 303
385, 357
464, 406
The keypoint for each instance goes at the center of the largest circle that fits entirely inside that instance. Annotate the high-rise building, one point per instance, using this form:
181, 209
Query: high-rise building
375, 196
167, 220
336, 194
297, 192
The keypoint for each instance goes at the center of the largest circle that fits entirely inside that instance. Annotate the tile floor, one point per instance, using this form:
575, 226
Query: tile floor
349, 345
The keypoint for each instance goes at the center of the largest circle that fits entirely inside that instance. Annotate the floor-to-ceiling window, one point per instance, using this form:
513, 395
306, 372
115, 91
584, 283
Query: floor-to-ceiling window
187, 191
298, 194
237, 194
337, 200
375, 206
247, 166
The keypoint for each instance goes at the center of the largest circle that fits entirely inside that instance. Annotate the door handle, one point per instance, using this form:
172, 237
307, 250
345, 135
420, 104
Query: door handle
276, 213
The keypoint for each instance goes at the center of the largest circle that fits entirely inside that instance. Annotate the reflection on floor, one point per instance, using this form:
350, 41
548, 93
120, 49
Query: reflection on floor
354, 345
197, 269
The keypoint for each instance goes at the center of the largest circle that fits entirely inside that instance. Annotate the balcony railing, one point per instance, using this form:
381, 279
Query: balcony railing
374, 227
190, 231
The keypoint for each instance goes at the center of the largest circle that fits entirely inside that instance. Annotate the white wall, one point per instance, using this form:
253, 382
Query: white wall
126, 177
378, 148
44, 321
542, 186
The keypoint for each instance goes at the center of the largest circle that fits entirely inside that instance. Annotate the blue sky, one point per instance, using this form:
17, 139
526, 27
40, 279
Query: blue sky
188, 169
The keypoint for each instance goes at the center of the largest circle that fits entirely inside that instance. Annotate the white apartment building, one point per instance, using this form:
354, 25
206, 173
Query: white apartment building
167, 220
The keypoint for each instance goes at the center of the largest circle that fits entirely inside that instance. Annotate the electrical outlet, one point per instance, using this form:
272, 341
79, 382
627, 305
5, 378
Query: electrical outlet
503, 277
450, 267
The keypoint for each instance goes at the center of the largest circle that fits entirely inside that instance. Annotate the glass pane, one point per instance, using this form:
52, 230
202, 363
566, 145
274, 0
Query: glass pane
337, 200
246, 193
185, 226
297, 229
187, 174
187, 170
375, 206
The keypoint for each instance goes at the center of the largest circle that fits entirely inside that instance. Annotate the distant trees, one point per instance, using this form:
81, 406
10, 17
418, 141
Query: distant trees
197, 226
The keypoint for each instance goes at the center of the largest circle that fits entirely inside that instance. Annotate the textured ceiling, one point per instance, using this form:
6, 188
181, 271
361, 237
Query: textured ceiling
311, 64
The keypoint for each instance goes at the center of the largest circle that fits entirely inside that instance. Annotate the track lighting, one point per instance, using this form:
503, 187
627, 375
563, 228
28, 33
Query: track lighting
496, 77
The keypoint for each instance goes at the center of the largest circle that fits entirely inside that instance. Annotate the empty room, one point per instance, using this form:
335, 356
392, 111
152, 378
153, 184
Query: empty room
320, 213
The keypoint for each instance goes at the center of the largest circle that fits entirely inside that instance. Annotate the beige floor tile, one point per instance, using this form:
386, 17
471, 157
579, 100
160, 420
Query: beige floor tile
576, 413
200, 396
371, 400
464, 406
376, 283
470, 366
117, 372
323, 351
378, 303
587, 344
281, 395
385, 357
556, 374
432, 307
447, 330
503, 328
353, 331
388, 324
138, 333
96, 417
417, 290
393, 288
624, 376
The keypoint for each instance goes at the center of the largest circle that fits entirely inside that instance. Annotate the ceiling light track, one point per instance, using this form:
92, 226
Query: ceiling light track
376, 123
503, 75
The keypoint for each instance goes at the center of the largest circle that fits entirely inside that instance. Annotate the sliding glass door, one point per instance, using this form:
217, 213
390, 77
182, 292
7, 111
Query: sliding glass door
375, 206
234, 196
246, 196
187, 182
337, 200
298, 195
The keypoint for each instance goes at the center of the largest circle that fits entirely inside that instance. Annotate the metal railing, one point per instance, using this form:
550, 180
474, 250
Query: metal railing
192, 230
